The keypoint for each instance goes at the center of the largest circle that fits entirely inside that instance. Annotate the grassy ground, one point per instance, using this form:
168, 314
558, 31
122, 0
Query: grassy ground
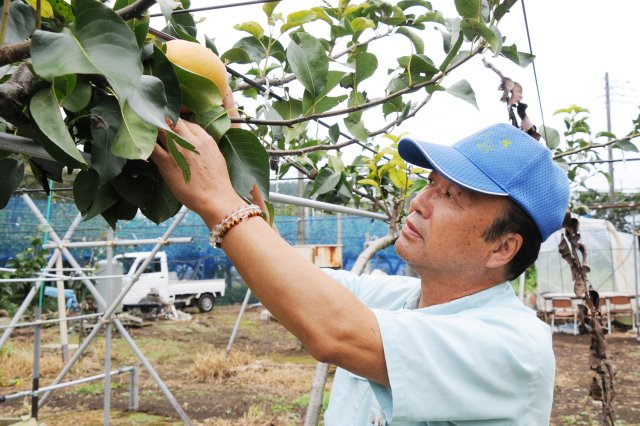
265, 381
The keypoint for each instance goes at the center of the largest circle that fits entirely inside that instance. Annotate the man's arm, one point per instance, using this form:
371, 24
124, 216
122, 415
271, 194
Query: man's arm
329, 320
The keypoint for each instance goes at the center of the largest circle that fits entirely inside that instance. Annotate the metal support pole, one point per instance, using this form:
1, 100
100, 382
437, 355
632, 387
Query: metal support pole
107, 376
51, 321
122, 370
167, 393
36, 365
134, 389
635, 274
62, 314
237, 325
274, 197
113, 243
27, 300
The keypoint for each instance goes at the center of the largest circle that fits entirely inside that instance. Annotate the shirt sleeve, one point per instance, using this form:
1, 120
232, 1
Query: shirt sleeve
377, 291
452, 367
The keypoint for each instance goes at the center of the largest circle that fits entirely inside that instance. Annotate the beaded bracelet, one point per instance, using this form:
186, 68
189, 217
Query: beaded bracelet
231, 220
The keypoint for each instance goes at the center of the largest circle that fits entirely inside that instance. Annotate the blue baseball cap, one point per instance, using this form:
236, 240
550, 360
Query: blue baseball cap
500, 160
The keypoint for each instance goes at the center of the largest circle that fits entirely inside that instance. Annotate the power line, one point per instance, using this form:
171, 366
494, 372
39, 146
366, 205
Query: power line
535, 74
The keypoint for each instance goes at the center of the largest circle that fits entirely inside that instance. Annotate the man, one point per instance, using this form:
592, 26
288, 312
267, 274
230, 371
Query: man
456, 345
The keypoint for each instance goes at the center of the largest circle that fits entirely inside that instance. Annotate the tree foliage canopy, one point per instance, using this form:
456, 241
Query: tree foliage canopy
91, 85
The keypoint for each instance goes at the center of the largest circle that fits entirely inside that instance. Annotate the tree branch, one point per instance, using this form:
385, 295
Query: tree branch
366, 105
381, 243
10, 53
596, 145
13, 98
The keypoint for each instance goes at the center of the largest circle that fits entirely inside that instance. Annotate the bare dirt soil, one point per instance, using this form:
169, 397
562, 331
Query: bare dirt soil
264, 382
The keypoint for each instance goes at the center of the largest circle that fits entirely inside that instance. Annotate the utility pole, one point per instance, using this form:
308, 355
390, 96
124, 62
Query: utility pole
612, 190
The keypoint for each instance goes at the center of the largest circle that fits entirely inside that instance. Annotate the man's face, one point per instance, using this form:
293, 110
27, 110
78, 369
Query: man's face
444, 231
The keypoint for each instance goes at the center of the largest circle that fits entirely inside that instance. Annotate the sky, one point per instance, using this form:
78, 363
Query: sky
575, 42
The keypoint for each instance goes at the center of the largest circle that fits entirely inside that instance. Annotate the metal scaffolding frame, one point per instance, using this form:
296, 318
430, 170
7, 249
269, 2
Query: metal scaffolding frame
107, 318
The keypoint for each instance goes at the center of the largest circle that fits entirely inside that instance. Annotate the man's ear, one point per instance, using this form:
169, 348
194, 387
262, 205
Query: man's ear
505, 248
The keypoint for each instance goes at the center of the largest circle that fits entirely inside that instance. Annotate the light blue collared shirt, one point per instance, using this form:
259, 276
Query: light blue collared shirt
484, 359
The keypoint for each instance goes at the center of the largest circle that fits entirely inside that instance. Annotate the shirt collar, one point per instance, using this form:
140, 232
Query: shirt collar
467, 302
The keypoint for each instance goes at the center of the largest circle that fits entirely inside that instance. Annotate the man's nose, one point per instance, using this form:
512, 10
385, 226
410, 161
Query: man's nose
421, 203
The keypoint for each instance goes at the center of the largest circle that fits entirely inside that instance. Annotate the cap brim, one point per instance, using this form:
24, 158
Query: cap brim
449, 163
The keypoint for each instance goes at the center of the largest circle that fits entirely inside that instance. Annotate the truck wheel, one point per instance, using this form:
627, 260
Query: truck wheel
206, 302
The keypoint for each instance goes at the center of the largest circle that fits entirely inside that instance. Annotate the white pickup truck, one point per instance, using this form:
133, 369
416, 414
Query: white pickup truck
157, 279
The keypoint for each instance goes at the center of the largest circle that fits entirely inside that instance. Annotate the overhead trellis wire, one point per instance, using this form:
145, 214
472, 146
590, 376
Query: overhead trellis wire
219, 6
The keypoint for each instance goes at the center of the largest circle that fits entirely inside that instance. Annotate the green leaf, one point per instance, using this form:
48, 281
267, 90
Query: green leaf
369, 182
365, 65
106, 120
85, 186
419, 67
236, 55
11, 173
520, 58
606, 134
247, 161
322, 102
296, 19
21, 22
268, 8
626, 146
178, 158
473, 28
216, 122
92, 198
99, 37
503, 8
63, 11
464, 91
252, 27
361, 23
163, 69
121, 210
148, 101
45, 111
406, 4
79, 97
468, 8
183, 26
356, 129
334, 132
162, 204
325, 182
288, 109
136, 181
199, 94
250, 49
452, 53
418, 44
551, 136
321, 14
309, 62
135, 138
